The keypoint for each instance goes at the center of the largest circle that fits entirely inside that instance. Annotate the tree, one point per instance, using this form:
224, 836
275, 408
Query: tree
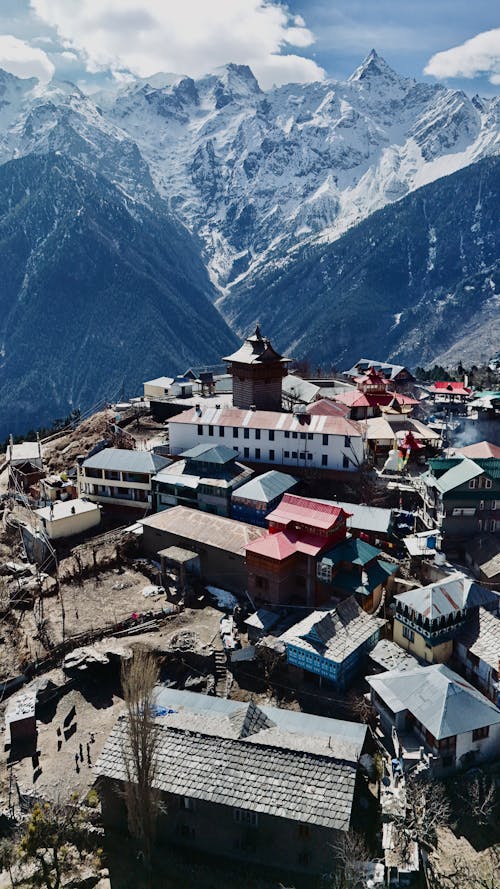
427, 809
351, 854
53, 835
7, 856
139, 677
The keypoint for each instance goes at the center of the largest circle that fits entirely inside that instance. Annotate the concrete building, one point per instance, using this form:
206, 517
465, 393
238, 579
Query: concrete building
428, 619
296, 442
435, 709
253, 501
205, 479
461, 497
262, 784
333, 644
220, 543
257, 371
66, 518
116, 477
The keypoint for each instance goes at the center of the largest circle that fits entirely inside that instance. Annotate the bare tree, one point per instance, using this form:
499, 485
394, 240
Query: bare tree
139, 677
477, 798
351, 854
427, 809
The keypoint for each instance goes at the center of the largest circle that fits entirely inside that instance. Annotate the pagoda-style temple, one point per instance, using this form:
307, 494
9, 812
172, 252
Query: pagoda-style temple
257, 371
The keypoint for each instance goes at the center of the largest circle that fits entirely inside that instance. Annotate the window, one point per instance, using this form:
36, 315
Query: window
287, 455
257, 453
324, 571
309, 456
493, 525
287, 435
294, 455
271, 454
480, 733
324, 459
271, 435
187, 803
200, 430
310, 436
235, 432
257, 434
302, 455
244, 816
246, 452
408, 634
481, 504
294, 434
303, 435
345, 461
210, 430
347, 441
488, 483
325, 439
493, 505
221, 431
246, 433
472, 483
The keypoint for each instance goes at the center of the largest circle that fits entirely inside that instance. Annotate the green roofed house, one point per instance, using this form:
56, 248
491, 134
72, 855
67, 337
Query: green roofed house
254, 500
461, 496
204, 478
354, 568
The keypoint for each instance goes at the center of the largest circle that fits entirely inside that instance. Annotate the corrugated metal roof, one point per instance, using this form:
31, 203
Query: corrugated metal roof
303, 510
126, 461
458, 475
297, 388
442, 701
211, 530
274, 420
218, 454
265, 488
353, 550
446, 596
365, 518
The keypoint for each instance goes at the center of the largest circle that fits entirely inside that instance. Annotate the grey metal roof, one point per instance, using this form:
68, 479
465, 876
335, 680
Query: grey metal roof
286, 783
126, 461
390, 656
262, 619
447, 596
336, 633
266, 487
442, 701
458, 475
298, 389
389, 370
206, 453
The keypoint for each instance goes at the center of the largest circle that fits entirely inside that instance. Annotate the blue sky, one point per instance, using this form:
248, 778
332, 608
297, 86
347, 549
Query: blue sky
92, 42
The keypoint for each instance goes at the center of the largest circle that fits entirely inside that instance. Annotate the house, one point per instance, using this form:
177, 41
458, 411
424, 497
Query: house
410, 435
271, 786
396, 373
428, 619
158, 388
482, 554
281, 563
257, 371
481, 450
452, 396
435, 709
254, 500
220, 543
461, 497
260, 623
26, 452
204, 478
297, 442
116, 477
476, 653
372, 396
65, 518
371, 523
354, 568
333, 644
295, 390
386, 655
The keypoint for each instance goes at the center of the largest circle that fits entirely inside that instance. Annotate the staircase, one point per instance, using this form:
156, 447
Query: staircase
221, 674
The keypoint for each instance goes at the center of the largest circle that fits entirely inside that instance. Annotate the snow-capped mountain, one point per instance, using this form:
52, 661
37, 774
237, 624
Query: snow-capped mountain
254, 174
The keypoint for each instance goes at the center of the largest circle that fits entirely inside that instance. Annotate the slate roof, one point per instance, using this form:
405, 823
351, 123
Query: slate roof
442, 466
300, 786
389, 370
333, 633
267, 487
447, 596
442, 701
127, 461
485, 552
390, 656
481, 637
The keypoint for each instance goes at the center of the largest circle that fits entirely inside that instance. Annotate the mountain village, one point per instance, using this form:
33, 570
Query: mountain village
313, 565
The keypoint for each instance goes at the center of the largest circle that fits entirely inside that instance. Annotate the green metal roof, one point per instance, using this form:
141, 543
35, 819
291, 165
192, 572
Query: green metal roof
353, 551
489, 465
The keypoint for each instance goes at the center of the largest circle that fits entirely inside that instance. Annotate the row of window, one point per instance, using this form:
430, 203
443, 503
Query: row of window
480, 482
270, 434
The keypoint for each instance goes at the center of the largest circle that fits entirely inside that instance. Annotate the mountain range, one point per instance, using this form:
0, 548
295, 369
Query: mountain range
151, 223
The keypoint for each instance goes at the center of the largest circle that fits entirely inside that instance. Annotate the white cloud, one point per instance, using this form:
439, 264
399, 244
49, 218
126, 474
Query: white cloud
479, 55
184, 36
24, 60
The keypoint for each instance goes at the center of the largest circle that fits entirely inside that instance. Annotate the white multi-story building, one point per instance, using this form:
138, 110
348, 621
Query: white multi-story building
272, 437
116, 477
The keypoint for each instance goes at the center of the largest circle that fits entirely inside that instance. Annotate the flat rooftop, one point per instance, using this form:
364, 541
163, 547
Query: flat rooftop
63, 509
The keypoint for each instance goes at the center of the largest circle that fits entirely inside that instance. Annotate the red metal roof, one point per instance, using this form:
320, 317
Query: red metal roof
327, 407
284, 544
483, 449
455, 388
306, 512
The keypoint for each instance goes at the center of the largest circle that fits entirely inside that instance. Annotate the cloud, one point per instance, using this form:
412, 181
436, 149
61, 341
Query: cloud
184, 36
479, 55
24, 60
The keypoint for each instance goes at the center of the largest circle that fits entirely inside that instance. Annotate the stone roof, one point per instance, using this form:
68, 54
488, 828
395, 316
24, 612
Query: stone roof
481, 637
334, 633
286, 783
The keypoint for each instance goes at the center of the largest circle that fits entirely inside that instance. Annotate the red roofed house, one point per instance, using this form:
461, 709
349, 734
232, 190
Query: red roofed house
281, 565
371, 395
450, 393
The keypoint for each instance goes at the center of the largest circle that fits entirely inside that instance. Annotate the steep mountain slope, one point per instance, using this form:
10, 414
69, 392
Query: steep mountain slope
97, 291
412, 282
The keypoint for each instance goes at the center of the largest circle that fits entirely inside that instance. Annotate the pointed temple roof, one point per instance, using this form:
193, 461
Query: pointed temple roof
256, 349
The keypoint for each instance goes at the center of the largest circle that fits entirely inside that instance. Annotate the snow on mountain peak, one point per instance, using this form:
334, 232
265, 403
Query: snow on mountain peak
373, 68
